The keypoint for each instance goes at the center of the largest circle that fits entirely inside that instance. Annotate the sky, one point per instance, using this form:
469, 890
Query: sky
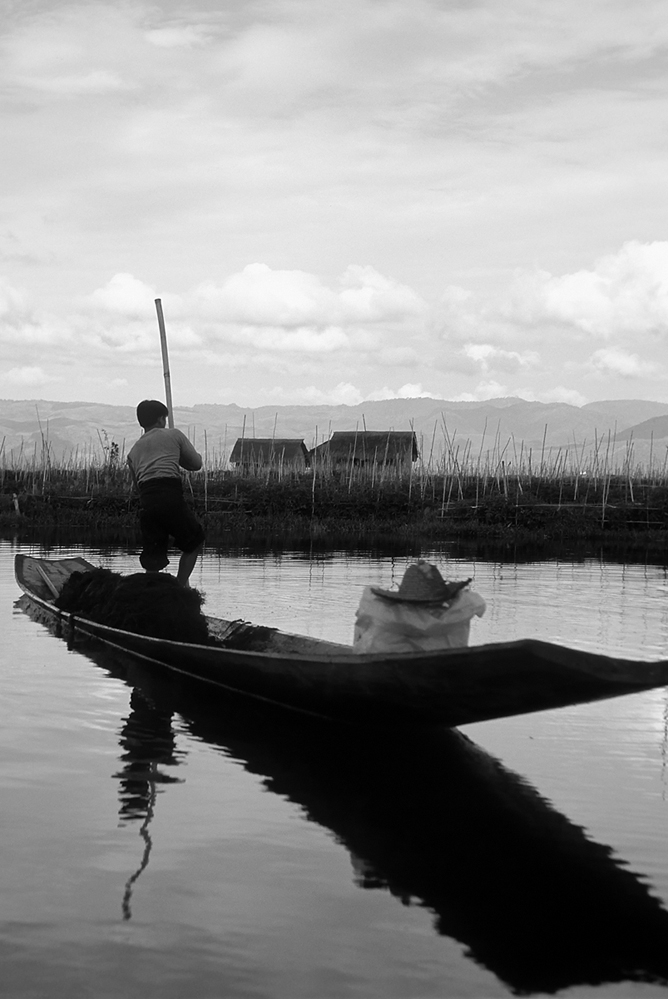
334, 200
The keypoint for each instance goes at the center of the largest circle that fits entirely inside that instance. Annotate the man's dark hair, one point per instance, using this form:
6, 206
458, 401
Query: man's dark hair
149, 412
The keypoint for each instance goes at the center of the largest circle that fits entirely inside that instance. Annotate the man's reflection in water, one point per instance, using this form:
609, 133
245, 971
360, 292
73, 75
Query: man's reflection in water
147, 738
437, 822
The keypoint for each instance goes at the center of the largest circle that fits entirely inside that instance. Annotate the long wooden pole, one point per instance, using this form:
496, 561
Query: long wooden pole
165, 362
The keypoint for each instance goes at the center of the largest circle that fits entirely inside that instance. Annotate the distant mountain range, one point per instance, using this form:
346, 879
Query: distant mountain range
75, 429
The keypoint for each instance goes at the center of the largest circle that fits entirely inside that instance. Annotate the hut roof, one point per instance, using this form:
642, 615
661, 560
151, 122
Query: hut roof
370, 445
266, 450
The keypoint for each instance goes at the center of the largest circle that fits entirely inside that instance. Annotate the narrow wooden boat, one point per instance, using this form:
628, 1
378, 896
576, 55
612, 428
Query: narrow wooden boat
451, 687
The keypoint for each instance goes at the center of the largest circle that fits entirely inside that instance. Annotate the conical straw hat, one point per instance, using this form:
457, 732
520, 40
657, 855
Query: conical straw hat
422, 584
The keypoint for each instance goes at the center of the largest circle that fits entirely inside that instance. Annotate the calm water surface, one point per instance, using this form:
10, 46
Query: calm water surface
156, 846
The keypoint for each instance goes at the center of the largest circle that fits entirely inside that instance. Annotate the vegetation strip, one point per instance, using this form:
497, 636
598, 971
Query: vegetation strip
462, 501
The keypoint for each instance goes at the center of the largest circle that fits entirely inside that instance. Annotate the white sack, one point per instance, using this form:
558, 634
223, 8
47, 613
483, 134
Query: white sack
395, 626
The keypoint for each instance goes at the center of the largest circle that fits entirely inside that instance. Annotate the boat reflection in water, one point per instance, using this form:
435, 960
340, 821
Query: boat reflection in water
432, 819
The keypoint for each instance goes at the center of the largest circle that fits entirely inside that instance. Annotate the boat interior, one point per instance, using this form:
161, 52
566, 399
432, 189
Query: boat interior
46, 578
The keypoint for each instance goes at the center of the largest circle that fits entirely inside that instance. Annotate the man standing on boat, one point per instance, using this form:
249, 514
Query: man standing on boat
155, 461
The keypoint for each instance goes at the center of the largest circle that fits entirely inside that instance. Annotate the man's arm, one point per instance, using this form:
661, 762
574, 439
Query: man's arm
133, 474
189, 458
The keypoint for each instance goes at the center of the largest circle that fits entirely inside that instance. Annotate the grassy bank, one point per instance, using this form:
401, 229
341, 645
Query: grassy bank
358, 502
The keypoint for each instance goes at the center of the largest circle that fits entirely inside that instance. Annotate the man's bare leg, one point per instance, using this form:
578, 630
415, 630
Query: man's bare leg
186, 565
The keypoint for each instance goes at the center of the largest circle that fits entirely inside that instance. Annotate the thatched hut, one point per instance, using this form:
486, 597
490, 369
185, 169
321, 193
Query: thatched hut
269, 452
367, 447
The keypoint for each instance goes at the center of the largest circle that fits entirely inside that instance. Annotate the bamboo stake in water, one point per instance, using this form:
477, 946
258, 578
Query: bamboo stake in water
206, 474
651, 450
243, 436
165, 362
352, 463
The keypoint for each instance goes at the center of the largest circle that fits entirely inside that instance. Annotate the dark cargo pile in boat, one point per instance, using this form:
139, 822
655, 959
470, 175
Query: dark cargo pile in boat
147, 603
248, 637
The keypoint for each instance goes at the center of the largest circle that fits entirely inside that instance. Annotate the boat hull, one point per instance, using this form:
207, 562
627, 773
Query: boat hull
452, 687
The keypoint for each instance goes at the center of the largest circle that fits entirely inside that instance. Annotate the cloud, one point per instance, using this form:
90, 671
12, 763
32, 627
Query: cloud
483, 391
125, 295
347, 394
457, 313
132, 337
494, 390
624, 293
367, 296
97, 81
279, 325
402, 64
433, 145
303, 340
259, 310
44, 332
477, 330
407, 391
260, 296
20, 327
557, 394
73, 52
615, 361
491, 358
342, 394
27, 376
397, 357
178, 36
544, 325
13, 302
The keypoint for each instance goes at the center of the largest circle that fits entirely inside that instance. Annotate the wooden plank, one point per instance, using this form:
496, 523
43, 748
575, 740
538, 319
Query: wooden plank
47, 579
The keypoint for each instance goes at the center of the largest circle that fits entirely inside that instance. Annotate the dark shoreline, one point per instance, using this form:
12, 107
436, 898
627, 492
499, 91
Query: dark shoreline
353, 510
529, 532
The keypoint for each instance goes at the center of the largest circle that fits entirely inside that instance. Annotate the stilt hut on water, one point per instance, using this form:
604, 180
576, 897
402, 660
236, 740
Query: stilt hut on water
269, 452
367, 447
